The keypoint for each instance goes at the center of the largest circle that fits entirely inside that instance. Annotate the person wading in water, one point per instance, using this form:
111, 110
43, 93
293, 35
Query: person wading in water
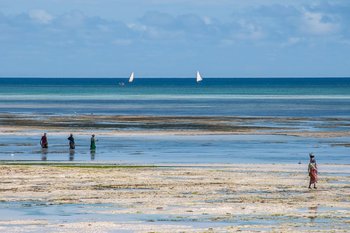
43, 141
93, 142
71, 142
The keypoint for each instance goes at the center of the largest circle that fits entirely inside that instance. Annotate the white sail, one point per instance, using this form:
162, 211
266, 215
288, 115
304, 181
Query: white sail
199, 77
131, 79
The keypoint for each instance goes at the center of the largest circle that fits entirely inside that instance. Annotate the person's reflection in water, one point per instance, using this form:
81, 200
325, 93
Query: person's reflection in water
92, 154
43, 154
71, 154
313, 213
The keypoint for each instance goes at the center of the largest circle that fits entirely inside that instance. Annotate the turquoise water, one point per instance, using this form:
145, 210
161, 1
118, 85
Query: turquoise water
314, 98
321, 97
176, 86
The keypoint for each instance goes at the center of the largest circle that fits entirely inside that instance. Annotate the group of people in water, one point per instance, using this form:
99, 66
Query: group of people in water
44, 142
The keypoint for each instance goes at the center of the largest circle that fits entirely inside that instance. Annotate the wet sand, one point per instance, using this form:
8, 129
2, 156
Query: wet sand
193, 198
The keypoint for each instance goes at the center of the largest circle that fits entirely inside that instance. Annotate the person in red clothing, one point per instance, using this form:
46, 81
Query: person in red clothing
312, 169
43, 141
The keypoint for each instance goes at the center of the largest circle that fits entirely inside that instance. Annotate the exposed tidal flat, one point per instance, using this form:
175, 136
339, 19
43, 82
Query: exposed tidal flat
74, 197
181, 125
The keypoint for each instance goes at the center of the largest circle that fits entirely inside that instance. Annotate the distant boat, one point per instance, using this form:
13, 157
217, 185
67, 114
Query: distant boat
199, 77
131, 79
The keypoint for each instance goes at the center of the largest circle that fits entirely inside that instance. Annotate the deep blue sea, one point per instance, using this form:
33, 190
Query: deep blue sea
320, 97
315, 98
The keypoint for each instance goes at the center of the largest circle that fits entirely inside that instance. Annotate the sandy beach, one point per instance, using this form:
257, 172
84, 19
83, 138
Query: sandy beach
173, 198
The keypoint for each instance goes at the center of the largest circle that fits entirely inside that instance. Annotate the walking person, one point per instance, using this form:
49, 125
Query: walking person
312, 169
71, 142
43, 142
93, 142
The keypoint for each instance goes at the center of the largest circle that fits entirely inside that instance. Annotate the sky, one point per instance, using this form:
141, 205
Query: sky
174, 38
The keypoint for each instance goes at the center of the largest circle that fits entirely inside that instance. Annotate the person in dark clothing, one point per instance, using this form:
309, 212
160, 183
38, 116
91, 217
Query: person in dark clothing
71, 142
43, 141
93, 142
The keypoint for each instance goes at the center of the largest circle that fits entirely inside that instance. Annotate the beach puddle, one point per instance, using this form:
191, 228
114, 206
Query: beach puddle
48, 213
339, 182
245, 221
337, 174
70, 213
326, 214
324, 209
10, 211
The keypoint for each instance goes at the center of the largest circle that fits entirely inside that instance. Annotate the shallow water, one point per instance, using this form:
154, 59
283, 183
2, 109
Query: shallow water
178, 149
70, 213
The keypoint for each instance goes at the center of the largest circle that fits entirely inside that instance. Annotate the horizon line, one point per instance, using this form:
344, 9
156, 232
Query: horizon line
149, 77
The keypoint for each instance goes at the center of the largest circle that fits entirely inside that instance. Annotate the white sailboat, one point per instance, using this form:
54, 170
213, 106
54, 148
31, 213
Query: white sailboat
131, 79
198, 77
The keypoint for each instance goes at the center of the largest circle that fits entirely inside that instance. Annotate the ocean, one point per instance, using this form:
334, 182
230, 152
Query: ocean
321, 97
314, 100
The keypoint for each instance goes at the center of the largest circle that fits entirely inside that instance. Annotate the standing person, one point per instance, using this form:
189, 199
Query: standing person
71, 142
93, 142
43, 141
312, 169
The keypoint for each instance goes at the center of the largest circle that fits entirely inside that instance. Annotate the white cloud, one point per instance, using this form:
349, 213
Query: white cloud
41, 16
250, 31
212, 36
314, 23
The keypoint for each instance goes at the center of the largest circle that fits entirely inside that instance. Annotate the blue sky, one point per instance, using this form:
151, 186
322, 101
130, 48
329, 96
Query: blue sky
174, 38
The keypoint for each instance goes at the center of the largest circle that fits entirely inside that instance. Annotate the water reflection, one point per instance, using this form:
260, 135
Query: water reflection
92, 154
44, 154
71, 154
312, 213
